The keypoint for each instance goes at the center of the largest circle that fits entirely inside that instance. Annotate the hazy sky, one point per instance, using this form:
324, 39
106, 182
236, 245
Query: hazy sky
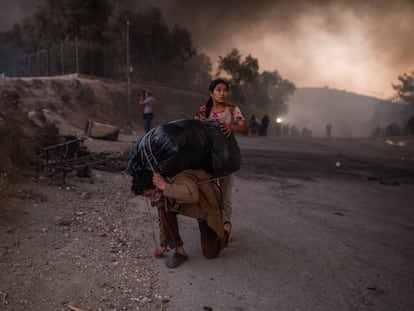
354, 45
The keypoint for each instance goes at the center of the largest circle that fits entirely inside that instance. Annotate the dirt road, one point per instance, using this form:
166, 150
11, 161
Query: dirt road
309, 234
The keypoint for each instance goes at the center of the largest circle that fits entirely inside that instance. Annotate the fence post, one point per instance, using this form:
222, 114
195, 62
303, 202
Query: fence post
77, 55
62, 65
128, 65
47, 61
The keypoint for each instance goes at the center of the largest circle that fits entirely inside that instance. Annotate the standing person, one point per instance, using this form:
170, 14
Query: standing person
265, 124
148, 101
328, 130
189, 193
253, 125
231, 121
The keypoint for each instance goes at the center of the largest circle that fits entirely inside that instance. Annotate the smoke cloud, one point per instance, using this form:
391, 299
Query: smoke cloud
353, 45
14, 11
359, 46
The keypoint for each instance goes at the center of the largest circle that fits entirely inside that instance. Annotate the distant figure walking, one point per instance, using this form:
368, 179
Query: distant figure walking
148, 101
264, 125
253, 125
328, 130
409, 128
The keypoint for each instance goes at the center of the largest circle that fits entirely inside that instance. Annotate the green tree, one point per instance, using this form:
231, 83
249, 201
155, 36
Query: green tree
241, 71
231, 65
279, 91
181, 44
59, 20
197, 71
49, 35
90, 36
405, 89
243, 74
266, 90
156, 50
11, 47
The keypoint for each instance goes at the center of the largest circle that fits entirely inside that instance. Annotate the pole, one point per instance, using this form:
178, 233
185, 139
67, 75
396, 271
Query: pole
62, 66
128, 64
91, 58
77, 55
47, 62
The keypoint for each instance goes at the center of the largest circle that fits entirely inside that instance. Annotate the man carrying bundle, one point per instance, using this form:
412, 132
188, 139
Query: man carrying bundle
190, 193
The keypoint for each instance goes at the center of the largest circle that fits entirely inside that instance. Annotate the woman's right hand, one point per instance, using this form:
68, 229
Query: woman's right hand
159, 181
226, 129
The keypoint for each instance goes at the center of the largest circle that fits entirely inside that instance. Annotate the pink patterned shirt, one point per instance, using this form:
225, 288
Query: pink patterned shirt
230, 114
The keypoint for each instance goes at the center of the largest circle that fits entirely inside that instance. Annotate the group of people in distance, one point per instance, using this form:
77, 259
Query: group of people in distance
257, 128
192, 192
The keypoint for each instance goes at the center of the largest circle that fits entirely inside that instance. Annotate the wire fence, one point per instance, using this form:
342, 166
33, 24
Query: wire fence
109, 61
69, 57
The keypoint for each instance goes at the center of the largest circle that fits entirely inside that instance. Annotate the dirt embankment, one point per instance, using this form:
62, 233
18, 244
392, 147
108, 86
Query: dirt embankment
68, 103
78, 99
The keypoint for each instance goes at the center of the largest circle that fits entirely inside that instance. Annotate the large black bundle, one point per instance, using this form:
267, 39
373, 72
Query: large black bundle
184, 144
171, 147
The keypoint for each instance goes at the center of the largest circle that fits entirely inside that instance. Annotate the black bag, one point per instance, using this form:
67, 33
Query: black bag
172, 147
184, 144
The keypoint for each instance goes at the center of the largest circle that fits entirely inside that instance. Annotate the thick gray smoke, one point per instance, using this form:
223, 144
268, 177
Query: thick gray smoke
13, 11
358, 46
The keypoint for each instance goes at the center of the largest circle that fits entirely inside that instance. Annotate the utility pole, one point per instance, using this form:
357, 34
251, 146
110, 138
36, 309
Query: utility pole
77, 55
62, 63
128, 64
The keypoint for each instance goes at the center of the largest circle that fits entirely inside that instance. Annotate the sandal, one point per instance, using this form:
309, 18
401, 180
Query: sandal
175, 260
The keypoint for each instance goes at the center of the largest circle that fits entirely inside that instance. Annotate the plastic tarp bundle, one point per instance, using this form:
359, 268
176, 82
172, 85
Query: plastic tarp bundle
184, 144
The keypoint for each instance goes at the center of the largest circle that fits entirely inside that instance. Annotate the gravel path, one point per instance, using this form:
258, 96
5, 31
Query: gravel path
85, 245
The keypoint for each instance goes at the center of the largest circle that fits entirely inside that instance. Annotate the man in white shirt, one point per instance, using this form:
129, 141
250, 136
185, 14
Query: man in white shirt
148, 101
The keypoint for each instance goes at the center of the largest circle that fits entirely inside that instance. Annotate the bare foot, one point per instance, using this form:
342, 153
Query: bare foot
227, 227
159, 252
180, 250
